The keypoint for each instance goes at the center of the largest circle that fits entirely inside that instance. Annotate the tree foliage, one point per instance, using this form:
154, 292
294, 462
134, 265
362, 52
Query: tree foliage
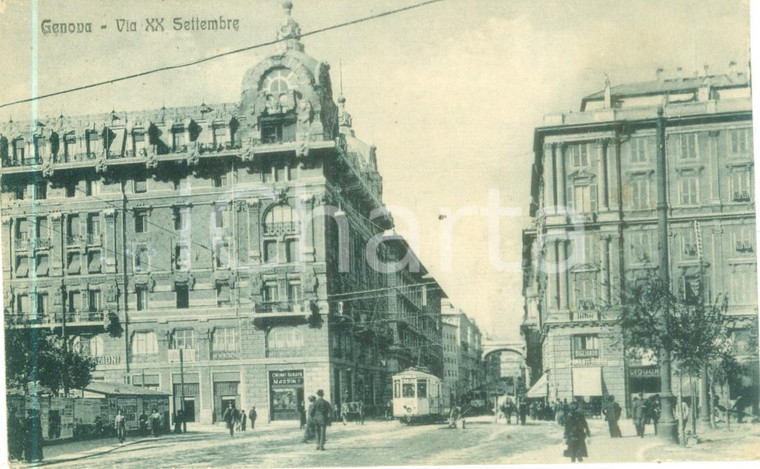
39, 355
693, 332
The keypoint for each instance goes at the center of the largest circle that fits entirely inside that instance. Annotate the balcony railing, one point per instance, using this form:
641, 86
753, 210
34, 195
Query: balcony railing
73, 319
288, 227
278, 307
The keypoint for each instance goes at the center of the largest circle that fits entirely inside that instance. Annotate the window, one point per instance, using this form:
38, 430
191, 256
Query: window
292, 250
94, 144
18, 149
740, 141
585, 291
40, 190
689, 244
586, 346
689, 188
740, 185
142, 261
73, 263
140, 183
19, 191
183, 296
139, 143
220, 136
93, 262
396, 389
42, 267
72, 228
41, 229
40, 144
222, 253
408, 389
90, 187
219, 181
270, 251
144, 343
640, 194
281, 219
583, 198
421, 388
692, 289
141, 221
179, 139
183, 338
271, 293
93, 228
74, 301
579, 154
92, 346
42, 304
70, 145
22, 305
93, 300
743, 285
285, 338
22, 230
687, 144
641, 246
220, 215
71, 189
744, 240
294, 292
141, 292
181, 218
222, 294
225, 339
182, 257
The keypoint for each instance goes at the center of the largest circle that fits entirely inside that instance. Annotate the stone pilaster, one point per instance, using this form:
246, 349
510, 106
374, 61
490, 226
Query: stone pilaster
561, 178
109, 241
306, 214
548, 177
564, 286
254, 230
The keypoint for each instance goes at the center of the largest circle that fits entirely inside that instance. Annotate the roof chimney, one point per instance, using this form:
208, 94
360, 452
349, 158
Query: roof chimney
659, 73
679, 71
732, 72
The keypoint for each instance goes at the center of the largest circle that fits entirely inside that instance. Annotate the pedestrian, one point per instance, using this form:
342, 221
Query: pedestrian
453, 416
308, 434
654, 410
389, 410
243, 418
120, 424
682, 412
523, 409
155, 422
33, 440
576, 432
252, 416
508, 411
143, 422
16, 435
739, 409
344, 409
611, 413
230, 418
637, 409
178, 421
302, 414
320, 415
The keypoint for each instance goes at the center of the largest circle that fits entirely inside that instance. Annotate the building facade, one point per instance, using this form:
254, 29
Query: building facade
450, 359
471, 370
594, 195
230, 234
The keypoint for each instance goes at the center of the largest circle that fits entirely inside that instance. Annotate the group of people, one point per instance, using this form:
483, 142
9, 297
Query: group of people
646, 411
235, 419
519, 409
317, 419
25, 436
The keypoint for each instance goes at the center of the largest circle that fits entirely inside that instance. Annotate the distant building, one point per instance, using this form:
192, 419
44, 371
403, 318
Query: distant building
594, 195
233, 233
451, 357
468, 337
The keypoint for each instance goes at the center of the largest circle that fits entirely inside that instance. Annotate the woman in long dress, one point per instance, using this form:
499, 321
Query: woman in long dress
576, 431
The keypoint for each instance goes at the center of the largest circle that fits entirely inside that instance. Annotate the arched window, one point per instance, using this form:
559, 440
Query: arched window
281, 219
92, 346
279, 80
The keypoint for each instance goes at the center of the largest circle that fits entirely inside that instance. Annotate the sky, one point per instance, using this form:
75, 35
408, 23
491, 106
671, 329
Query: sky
450, 93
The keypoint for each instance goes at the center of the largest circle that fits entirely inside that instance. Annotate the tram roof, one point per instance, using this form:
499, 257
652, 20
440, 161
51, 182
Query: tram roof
414, 373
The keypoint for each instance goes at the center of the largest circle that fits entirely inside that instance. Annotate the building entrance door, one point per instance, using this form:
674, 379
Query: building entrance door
286, 394
189, 409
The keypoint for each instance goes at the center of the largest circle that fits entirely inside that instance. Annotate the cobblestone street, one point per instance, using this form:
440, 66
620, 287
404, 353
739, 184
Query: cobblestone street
392, 444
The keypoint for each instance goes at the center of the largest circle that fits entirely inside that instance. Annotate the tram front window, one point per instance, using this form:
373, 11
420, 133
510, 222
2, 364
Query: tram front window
421, 388
408, 389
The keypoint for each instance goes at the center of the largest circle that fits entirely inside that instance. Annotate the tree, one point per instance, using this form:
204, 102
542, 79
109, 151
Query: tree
39, 355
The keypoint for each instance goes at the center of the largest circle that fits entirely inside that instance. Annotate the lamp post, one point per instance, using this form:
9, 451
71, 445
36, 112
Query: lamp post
667, 426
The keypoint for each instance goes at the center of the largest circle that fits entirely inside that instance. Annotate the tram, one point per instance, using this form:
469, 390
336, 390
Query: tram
418, 397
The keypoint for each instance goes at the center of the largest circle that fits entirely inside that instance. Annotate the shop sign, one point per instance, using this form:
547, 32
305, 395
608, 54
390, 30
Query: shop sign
587, 353
107, 359
286, 378
585, 362
644, 372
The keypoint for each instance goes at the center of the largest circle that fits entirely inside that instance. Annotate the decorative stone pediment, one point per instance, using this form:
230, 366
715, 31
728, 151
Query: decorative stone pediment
581, 268
581, 174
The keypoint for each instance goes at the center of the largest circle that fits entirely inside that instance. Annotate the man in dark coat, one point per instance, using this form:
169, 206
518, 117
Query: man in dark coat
243, 418
230, 418
252, 416
637, 409
522, 409
576, 431
320, 415
611, 413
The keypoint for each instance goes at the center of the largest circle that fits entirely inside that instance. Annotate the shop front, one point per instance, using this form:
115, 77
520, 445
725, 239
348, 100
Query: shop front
191, 394
285, 394
644, 379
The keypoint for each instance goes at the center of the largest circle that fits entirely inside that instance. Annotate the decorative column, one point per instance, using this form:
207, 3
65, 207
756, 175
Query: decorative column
551, 275
604, 245
564, 286
57, 244
561, 192
613, 164
550, 199
109, 241
254, 230
714, 167
604, 202
306, 215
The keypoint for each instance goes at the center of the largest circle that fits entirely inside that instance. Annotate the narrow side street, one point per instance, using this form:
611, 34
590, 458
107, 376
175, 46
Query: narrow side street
393, 444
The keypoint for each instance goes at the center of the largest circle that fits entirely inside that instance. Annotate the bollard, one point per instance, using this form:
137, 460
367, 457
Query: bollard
464, 422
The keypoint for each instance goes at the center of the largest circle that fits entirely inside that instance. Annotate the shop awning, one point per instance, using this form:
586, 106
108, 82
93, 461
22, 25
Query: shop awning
587, 381
539, 388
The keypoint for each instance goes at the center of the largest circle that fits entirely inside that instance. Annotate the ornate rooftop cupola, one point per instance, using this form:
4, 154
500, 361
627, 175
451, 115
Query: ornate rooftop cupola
289, 30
